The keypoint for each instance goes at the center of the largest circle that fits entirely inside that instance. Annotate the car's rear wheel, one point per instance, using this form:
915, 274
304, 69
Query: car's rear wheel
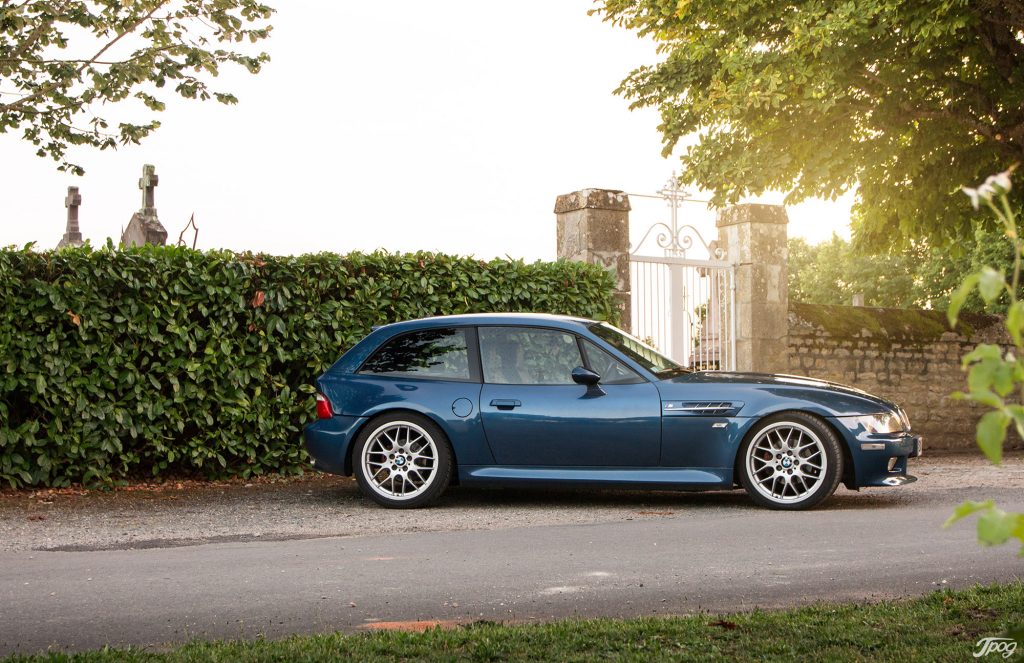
791, 461
402, 461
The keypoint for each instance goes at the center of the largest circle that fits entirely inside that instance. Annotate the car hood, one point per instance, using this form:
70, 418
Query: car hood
844, 397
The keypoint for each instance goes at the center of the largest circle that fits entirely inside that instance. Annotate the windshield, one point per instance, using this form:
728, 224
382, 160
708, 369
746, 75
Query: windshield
638, 351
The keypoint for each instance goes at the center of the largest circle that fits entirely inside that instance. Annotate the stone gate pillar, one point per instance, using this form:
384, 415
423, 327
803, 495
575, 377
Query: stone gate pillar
754, 238
593, 226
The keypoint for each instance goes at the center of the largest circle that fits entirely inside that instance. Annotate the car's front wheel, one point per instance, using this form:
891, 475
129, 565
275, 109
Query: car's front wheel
402, 461
791, 461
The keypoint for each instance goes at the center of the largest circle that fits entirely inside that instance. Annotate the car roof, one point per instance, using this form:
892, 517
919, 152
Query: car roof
466, 319
355, 356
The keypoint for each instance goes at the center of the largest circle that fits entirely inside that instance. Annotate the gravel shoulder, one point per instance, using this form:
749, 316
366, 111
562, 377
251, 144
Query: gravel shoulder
318, 505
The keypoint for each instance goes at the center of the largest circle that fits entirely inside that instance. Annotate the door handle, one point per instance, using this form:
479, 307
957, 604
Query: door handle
505, 403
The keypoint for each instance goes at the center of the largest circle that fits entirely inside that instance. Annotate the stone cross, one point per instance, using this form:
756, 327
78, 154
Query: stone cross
148, 183
73, 200
145, 226
72, 234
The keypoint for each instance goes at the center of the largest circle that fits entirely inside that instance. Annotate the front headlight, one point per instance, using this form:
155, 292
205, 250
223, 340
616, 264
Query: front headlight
904, 418
884, 423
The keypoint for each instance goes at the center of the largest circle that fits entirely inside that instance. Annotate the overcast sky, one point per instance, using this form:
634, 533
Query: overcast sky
440, 126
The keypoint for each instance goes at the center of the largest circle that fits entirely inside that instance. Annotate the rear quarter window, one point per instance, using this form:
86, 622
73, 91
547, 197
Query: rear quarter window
438, 354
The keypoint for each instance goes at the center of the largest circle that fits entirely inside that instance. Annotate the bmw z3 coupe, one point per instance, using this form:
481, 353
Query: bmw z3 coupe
527, 399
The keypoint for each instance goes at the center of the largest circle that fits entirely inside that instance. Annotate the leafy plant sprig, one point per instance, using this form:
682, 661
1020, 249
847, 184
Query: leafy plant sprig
994, 377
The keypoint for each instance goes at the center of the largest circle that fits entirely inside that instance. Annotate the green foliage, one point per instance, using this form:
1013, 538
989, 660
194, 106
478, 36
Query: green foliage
833, 272
904, 100
995, 378
167, 360
60, 62
918, 276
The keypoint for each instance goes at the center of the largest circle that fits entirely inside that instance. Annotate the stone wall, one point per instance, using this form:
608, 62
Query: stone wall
909, 356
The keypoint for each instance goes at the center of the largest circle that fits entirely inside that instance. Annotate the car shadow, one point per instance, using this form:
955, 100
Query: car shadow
343, 491
546, 497
653, 501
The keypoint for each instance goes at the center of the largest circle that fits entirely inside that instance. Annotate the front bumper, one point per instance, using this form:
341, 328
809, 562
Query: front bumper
327, 441
880, 460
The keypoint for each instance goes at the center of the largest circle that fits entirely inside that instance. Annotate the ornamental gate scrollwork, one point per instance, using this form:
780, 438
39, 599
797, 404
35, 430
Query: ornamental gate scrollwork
682, 304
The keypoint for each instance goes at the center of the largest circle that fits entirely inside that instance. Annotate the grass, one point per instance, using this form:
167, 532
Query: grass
943, 626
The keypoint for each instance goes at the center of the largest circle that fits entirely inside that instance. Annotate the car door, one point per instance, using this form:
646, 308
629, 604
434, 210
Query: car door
535, 414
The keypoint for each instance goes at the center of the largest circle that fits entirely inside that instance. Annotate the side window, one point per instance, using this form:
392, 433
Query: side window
440, 354
520, 355
611, 370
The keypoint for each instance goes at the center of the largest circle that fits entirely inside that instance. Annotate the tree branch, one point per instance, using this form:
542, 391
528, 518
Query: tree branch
46, 88
34, 36
21, 6
73, 61
118, 38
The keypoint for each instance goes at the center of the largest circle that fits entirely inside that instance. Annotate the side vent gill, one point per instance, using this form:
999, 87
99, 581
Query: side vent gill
702, 408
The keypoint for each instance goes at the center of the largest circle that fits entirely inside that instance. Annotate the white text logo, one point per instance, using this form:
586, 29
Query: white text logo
1002, 646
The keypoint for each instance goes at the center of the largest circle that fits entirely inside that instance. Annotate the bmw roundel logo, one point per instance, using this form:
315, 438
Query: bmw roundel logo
786, 462
400, 460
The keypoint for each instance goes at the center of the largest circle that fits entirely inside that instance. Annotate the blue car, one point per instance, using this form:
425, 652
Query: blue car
529, 400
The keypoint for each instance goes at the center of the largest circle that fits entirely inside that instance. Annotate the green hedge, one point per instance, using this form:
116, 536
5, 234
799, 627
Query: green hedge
120, 363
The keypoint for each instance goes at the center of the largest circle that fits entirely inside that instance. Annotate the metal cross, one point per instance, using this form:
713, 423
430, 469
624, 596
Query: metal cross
675, 239
674, 196
148, 183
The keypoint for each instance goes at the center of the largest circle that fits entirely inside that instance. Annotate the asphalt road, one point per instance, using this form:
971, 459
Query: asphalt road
691, 552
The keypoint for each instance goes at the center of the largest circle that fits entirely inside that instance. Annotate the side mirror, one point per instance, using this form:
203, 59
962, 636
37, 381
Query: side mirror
584, 376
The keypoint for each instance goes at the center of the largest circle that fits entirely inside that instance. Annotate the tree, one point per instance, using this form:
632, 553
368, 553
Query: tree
61, 59
832, 273
919, 276
904, 100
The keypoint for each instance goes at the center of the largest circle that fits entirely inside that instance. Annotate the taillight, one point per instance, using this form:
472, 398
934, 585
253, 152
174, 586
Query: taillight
323, 407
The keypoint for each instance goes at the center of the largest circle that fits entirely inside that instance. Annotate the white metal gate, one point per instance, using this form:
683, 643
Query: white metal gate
684, 306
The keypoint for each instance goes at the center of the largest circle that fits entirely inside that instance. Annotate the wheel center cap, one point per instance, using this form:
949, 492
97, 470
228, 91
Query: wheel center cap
399, 460
786, 463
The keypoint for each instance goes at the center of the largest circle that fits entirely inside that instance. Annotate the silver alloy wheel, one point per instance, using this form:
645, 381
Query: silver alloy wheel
399, 460
786, 462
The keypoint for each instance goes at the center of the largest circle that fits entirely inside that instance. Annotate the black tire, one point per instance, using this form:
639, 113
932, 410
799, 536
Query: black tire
779, 473
403, 466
